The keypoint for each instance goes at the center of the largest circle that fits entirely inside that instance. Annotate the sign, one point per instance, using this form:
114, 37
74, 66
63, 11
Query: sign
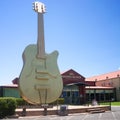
71, 76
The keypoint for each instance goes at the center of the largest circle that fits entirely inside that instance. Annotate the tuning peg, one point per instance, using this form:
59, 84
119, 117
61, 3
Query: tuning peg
33, 6
43, 8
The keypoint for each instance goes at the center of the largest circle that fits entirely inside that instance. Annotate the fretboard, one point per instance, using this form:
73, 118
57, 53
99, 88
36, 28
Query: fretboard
40, 39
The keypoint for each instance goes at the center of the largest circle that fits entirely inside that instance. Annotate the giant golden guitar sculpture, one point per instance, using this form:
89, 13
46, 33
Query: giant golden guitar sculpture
40, 81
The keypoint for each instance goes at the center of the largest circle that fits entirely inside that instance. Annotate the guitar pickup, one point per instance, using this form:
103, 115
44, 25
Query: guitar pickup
41, 77
40, 72
42, 86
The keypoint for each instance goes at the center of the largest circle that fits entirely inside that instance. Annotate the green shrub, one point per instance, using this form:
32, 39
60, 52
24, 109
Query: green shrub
7, 106
11, 106
3, 108
58, 101
21, 102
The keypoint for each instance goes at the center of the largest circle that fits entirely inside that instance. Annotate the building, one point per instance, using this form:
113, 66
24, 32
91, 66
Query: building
107, 81
78, 89
101, 94
9, 91
74, 87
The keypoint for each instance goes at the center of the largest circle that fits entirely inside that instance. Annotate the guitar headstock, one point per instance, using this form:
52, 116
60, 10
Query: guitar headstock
39, 7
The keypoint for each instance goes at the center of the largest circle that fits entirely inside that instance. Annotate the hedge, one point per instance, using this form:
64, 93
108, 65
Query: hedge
7, 106
22, 102
58, 101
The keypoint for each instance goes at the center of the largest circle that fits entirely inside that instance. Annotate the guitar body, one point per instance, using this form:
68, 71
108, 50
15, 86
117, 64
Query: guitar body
40, 81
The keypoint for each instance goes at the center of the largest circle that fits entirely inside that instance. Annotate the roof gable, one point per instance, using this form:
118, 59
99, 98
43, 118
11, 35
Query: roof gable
72, 73
72, 76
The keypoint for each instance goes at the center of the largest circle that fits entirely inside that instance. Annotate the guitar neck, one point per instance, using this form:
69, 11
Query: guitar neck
40, 39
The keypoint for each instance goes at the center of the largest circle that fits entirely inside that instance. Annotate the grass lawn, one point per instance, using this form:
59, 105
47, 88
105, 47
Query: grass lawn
112, 103
115, 103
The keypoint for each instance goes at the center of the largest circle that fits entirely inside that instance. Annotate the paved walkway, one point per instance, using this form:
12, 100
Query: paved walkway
114, 114
82, 116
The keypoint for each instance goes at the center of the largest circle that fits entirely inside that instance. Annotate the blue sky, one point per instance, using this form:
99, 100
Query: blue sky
85, 32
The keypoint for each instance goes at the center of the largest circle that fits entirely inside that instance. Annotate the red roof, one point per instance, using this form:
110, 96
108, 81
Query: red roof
110, 75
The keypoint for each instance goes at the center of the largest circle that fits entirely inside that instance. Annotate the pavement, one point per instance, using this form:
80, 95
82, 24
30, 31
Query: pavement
114, 114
